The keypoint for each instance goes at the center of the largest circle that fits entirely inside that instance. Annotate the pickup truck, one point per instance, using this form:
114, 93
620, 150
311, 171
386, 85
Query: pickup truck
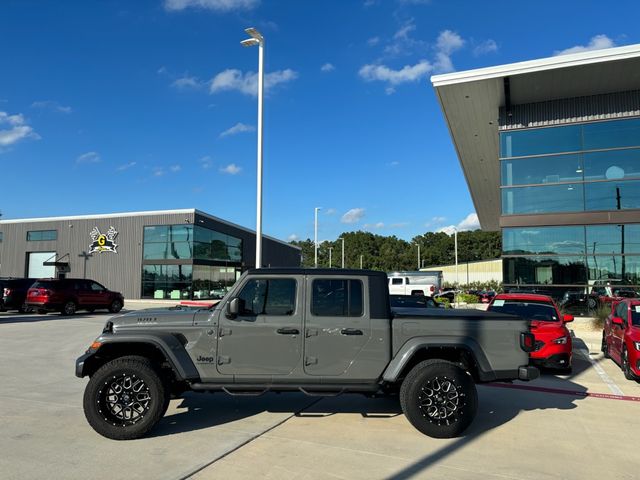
415, 283
321, 332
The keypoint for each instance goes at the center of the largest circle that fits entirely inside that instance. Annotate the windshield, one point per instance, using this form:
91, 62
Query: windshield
527, 310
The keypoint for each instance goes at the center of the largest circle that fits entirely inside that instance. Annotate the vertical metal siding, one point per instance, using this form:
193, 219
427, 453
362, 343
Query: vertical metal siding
571, 110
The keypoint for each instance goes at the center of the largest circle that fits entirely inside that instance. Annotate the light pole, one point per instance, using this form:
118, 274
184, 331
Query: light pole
258, 39
360, 262
342, 251
315, 238
455, 247
330, 248
418, 254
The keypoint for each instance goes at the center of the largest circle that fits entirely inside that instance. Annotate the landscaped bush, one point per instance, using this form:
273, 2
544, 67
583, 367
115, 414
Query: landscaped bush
442, 300
468, 298
600, 315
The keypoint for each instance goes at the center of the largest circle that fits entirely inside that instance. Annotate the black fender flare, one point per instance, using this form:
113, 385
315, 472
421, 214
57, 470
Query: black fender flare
167, 344
413, 345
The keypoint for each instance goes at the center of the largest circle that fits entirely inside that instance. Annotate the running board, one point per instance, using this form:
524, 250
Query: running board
314, 390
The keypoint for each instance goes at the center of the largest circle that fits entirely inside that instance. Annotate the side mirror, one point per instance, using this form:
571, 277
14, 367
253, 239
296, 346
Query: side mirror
567, 318
233, 307
617, 321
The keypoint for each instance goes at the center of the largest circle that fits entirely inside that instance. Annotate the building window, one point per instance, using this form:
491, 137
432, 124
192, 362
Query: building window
0, 237
167, 281
337, 298
168, 242
572, 168
212, 245
543, 241
42, 235
213, 282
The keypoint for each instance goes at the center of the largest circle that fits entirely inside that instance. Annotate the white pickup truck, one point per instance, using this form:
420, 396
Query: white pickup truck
415, 283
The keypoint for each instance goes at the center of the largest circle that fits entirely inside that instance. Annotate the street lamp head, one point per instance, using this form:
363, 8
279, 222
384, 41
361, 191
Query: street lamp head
249, 42
254, 33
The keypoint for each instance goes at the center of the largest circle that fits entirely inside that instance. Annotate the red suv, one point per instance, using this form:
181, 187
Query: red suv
621, 336
71, 294
553, 347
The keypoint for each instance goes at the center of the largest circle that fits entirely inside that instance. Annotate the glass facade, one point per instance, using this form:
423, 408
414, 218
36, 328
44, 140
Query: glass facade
573, 263
42, 235
571, 168
189, 262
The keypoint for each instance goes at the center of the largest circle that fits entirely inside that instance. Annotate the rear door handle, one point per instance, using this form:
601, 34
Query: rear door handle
351, 331
288, 331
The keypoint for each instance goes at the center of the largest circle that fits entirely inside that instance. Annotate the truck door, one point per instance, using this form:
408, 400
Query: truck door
266, 336
337, 325
396, 286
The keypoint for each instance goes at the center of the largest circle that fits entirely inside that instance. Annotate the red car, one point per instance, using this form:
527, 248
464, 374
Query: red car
71, 294
553, 347
621, 336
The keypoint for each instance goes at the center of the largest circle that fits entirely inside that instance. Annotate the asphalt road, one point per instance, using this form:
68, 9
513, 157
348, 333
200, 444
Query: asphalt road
554, 431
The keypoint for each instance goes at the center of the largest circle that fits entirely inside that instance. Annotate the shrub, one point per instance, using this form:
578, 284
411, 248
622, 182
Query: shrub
600, 315
468, 298
443, 300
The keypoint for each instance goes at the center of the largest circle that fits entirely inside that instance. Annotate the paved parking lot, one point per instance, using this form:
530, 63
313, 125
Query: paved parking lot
554, 427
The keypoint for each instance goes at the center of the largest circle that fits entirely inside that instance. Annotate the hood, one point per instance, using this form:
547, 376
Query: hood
154, 318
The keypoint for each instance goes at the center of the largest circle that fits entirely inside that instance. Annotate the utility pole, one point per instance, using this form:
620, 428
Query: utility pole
330, 248
315, 236
360, 262
341, 238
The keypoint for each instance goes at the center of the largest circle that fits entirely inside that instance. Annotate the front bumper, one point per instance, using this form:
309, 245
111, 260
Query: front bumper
557, 361
528, 373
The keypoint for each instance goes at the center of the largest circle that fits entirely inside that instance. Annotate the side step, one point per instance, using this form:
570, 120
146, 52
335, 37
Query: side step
314, 390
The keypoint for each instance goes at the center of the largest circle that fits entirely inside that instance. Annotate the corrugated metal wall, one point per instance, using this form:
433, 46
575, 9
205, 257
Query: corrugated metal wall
469, 272
120, 271
580, 109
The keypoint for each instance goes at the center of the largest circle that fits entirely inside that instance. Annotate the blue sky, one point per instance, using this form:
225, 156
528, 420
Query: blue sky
109, 106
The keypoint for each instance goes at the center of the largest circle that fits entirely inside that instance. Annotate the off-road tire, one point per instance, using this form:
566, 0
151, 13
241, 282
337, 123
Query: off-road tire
115, 306
128, 373
626, 368
439, 398
68, 308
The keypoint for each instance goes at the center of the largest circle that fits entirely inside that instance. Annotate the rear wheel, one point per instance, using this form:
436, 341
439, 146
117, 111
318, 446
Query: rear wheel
439, 398
115, 306
24, 308
69, 308
125, 398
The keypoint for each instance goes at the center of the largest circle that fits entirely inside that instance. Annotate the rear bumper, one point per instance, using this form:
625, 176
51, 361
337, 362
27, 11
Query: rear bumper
49, 307
528, 373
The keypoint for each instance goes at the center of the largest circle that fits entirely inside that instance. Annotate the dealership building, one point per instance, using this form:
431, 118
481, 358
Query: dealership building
550, 150
173, 254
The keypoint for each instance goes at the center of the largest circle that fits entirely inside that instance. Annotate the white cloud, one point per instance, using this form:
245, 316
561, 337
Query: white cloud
231, 169
215, 5
175, 168
596, 43
327, 67
488, 46
438, 219
470, 222
247, 83
158, 171
206, 162
126, 166
89, 157
393, 164
330, 211
408, 73
238, 128
374, 225
373, 41
404, 31
292, 238
17, 129
448, 42
187, 82
353, 216
51, 105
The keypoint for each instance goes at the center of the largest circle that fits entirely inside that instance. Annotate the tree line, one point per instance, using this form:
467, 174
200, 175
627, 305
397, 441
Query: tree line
390, 253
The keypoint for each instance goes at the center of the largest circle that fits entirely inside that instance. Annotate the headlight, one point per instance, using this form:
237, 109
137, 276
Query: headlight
637, 345
561, 340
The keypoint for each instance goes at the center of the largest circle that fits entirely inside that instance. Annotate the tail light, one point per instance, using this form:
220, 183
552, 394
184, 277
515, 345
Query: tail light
7, 291
527, 342
433, 288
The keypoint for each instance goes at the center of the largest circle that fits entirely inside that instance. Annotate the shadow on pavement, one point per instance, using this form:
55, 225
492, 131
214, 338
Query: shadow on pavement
45, 317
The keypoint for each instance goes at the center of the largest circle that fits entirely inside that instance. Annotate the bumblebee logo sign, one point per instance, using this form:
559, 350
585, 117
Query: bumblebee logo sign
103, 242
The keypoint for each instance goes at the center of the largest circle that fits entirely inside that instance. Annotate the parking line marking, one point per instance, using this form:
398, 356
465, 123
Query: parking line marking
601, 373
562, 391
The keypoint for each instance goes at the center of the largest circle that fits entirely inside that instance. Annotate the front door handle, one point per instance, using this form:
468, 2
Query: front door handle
288, 331
351, 331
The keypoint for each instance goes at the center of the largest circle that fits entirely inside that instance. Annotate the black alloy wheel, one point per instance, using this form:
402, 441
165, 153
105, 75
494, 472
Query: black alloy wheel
125, 398
69, 308
439, 398
626, 368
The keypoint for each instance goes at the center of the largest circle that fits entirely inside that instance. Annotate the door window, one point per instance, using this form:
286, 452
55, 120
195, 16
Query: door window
396, 281
269, 297
96, 287
337, 298
621, 311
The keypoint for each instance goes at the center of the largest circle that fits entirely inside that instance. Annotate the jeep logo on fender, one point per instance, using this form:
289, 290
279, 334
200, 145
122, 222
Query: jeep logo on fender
202, 359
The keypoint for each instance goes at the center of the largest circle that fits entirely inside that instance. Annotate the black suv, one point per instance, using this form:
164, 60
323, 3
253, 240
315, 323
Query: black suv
13, 292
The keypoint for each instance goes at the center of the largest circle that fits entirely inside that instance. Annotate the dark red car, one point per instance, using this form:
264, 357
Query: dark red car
621, 336
71, 294
553, 347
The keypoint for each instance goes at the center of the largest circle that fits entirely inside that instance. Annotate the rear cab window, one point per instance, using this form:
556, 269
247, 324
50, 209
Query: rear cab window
337, 298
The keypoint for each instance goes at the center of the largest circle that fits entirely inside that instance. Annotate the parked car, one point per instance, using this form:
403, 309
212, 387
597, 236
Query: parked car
401, 302
448, 293
71, 294
13, 293
604, 292
486, 296
553, 346
621, 336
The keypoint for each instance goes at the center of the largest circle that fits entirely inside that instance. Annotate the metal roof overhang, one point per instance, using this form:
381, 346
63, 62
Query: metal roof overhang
470, 102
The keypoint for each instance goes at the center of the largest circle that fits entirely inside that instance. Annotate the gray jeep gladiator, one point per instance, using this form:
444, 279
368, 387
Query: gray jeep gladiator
321, 332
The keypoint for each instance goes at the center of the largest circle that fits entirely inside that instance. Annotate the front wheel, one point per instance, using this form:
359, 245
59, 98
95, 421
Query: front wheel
115, 306
626, 369
604, 348
125, 398
439, 398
